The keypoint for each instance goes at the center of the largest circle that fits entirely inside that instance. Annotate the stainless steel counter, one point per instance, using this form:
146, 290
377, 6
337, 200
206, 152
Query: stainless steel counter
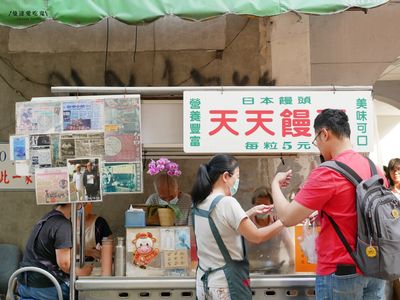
171, 288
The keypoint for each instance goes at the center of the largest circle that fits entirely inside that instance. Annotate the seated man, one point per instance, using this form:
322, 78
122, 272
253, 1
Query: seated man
49, 247
167, 192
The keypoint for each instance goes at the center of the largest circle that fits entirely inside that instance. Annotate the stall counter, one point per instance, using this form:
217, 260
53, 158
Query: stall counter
171, 288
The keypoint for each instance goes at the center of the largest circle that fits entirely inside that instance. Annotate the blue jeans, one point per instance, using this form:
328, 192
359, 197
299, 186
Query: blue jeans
349, 287
50, 293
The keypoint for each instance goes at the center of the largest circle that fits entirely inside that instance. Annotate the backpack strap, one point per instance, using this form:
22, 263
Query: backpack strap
344, 170
372, 166
342, 238
348, 172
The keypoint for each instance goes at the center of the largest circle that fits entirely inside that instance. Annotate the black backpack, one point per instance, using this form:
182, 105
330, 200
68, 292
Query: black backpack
377, 251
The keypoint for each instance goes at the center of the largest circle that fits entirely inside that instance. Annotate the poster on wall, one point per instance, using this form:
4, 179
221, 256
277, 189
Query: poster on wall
276, 121
40, 151
37, 117
122, 147
86, 131
81, 145
122, 129
51, 186
9, 179
84, 179
122, 178
23, 168
19, 147
122, 114
83, 115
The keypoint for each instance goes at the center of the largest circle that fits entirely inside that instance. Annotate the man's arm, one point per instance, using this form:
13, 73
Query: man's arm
63, 257
289, 213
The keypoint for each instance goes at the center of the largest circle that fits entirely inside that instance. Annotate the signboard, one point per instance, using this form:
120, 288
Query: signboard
8, 178
269, 121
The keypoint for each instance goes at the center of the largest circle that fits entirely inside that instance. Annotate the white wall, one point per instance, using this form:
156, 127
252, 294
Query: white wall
354, 48
387, 133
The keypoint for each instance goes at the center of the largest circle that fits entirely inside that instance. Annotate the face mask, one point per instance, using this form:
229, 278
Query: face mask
262, 216
163, 202
235, 187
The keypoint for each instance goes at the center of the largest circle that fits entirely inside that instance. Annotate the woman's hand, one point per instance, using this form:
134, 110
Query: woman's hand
259, 209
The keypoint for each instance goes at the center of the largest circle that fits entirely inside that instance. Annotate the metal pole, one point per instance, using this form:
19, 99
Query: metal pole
73, 253
178, 90
82, 237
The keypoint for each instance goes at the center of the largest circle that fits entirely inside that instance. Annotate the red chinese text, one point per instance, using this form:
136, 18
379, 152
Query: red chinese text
296, 122
223, 121
259, 120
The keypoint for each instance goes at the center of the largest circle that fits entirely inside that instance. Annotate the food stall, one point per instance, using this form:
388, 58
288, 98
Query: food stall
267, 128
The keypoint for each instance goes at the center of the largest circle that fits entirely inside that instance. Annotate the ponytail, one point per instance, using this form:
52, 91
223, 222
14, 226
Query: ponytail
202, 186
209, 173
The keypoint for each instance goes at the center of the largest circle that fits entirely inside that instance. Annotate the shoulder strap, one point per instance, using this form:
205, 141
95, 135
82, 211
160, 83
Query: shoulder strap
342, 238
372, 166
217, 236
343, 169
348, 172
207, 214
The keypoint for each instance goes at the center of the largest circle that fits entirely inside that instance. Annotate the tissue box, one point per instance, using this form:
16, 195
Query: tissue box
135, 218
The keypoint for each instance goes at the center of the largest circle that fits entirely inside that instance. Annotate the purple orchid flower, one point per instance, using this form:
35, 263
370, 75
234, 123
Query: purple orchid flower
163, 164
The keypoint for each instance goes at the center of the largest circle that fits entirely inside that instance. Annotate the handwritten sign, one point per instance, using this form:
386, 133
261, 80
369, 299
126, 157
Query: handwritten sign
269, 121
8, 178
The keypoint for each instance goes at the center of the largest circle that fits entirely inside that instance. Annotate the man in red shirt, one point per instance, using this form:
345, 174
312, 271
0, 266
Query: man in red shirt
327, 190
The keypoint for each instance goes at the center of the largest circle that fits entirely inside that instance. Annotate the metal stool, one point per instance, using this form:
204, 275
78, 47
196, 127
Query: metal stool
14, 275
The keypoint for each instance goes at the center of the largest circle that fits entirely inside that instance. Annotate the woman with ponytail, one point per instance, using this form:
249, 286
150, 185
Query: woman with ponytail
220, 224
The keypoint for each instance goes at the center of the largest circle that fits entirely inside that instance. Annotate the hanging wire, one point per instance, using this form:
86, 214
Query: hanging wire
106, 58
135, 47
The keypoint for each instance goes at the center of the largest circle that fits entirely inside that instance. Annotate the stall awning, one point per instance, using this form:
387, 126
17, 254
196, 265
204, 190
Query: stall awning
23, 13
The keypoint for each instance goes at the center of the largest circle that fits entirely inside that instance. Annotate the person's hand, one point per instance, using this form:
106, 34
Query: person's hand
86, 270
259, 209
313, 217
283, 178
96, 254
